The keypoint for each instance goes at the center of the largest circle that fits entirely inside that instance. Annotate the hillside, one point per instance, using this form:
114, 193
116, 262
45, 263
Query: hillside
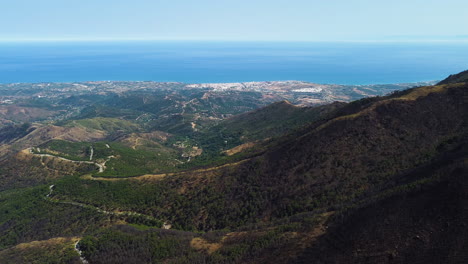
424, 225
456, 78
268, 122
273, 120
348, 161
339, 160
378, 180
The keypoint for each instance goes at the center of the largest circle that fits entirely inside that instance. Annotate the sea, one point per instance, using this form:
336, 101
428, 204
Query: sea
214, 62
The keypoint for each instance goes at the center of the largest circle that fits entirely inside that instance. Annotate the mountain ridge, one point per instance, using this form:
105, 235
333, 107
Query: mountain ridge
456, 78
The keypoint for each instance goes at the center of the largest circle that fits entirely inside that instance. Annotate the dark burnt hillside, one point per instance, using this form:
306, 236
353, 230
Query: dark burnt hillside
426, 224
456, 78
340, 161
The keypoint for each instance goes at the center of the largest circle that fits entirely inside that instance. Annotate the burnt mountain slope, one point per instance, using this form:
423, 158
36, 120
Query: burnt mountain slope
424, 222
456, 78
341, 160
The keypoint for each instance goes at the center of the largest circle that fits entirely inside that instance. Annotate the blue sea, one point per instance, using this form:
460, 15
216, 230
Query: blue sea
199, 62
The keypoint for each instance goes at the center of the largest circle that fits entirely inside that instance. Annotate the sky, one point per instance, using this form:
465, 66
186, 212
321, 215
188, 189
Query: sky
234, 20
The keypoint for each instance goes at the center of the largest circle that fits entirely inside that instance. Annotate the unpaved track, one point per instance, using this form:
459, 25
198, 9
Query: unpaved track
83, 260
101, 166
162, 175
99, 210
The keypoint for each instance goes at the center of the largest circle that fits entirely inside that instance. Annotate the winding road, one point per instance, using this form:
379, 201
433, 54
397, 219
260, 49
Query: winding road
91, 154
83, 260
101, 166
129, 213
99, 210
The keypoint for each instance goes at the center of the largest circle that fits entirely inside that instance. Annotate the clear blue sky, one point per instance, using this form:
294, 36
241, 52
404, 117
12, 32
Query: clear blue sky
263, 20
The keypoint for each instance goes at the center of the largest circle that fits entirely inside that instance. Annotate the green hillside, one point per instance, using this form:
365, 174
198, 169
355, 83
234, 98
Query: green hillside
111, 125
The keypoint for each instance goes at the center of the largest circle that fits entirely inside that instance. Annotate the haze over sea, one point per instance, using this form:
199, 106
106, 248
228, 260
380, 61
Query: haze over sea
198, 62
